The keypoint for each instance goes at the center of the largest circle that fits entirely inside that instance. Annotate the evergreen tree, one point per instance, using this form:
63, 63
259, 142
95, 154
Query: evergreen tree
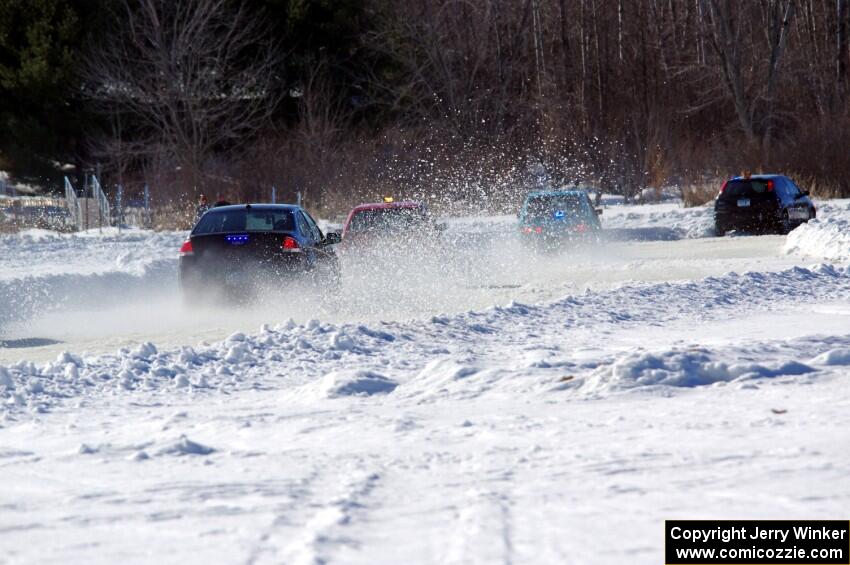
40, 41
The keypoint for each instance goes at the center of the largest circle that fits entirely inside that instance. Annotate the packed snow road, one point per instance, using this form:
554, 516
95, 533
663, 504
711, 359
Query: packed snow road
553, 410
89, 305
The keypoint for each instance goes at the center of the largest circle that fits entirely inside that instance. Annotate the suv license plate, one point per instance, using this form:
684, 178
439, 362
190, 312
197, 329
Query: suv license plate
743, 202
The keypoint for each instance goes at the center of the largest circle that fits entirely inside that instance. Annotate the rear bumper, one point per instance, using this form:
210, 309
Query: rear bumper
731, 217
198, 274
555, 238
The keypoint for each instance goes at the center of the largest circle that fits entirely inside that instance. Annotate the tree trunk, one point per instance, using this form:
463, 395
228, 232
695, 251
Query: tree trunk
726, 39
780, 38
842, 53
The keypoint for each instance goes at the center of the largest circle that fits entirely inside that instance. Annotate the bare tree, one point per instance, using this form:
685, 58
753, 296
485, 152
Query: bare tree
731, 34
726, 33
191, 76
464, 63
779, 18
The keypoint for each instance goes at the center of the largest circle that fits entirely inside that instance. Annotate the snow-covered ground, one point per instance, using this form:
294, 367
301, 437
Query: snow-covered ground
45, 271
667, 220
486, 407
93, 294
826, 239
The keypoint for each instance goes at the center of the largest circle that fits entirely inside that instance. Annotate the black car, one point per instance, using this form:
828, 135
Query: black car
242, 248
761, 203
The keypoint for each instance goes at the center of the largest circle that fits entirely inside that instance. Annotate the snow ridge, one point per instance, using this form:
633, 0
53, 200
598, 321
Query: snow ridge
462, 355
825, 239
46, 271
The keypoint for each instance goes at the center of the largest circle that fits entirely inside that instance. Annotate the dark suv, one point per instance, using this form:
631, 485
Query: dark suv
761, 203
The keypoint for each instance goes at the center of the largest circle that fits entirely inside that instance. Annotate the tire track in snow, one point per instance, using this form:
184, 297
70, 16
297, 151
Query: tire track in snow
483, 533
265, 548
337, 497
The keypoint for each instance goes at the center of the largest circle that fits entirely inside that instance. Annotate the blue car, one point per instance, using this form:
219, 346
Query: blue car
548, 219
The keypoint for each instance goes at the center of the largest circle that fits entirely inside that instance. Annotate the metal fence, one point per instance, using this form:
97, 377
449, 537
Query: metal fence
103, 208
90, 207
80, 209
72, 202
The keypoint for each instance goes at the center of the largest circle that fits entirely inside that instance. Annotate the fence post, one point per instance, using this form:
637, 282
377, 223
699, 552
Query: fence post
119, 194
86, 200
147, 207
298, 198
104, 210
101, 200
274, 195
73, 204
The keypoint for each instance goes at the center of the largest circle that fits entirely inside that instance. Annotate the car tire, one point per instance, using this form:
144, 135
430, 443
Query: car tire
719, 230
785, 225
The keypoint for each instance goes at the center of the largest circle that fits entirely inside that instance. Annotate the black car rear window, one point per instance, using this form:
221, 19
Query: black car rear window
735, 188
245, 221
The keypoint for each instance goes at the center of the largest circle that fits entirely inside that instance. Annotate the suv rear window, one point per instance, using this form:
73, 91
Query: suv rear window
245, 220
543, 207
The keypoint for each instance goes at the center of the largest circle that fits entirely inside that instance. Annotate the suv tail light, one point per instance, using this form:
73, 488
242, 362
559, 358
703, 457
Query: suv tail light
770, 186
723, 188
290, 244
186, 248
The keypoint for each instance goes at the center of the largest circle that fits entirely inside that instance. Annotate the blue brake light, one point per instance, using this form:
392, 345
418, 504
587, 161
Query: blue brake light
236, 239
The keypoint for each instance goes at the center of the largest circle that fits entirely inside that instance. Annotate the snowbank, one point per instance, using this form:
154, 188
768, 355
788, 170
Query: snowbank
663, 221
503, 350
660, 221
689, 368
827, 238
39, 253
44, 271
355, 383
